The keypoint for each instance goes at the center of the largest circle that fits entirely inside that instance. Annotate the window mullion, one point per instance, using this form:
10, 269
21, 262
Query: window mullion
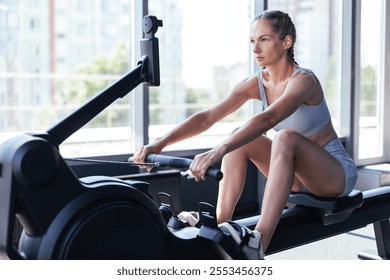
350, 73
139, 96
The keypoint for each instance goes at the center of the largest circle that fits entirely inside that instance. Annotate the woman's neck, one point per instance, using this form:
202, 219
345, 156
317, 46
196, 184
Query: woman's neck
281, 72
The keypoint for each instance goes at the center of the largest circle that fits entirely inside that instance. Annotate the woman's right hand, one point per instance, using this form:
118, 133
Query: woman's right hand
140, 155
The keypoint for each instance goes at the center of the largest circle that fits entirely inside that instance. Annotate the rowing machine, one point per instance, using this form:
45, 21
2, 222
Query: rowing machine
95, 217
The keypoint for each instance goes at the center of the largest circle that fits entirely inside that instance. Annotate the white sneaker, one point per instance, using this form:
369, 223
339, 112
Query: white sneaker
251, 246
191, 218
254, 249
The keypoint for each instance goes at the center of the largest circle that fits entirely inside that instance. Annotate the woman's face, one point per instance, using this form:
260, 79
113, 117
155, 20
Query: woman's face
266, 45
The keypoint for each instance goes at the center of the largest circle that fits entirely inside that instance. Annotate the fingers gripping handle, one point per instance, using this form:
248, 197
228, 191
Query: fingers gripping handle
178, 162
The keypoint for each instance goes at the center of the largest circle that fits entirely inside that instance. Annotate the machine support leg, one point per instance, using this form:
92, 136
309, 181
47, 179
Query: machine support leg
382, 236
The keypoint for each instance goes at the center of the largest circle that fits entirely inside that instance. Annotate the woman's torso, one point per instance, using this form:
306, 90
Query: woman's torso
312, 121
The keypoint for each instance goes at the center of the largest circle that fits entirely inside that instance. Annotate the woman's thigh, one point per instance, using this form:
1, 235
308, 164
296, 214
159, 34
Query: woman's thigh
317, 170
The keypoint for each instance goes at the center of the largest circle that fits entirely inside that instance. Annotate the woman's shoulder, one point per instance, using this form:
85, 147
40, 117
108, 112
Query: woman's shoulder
247, 88
305, 75
303, 70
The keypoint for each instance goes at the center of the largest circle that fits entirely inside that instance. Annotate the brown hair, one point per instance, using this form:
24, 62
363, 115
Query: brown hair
282, 24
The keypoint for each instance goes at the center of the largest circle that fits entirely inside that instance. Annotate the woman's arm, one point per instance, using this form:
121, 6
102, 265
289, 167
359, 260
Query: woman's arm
201, 121
297, 92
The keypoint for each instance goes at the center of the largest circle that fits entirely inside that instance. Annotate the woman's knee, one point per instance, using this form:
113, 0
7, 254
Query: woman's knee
286, 139
235, 157
253, 149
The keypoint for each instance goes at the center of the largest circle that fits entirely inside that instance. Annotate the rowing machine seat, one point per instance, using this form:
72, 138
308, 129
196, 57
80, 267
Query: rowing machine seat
332, 210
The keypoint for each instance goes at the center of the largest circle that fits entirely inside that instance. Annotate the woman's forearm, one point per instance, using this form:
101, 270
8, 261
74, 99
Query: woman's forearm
252, 129
192, 126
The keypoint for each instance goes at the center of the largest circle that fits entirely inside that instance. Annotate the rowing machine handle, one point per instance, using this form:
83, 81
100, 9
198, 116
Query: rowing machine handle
178, 162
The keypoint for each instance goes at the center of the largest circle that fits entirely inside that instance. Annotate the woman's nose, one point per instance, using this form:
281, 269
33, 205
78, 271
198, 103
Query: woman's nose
255, 48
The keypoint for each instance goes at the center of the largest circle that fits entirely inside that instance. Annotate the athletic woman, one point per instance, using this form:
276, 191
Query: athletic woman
305, 154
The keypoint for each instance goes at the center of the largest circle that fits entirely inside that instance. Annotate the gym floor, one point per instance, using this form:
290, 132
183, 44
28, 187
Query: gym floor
341, 247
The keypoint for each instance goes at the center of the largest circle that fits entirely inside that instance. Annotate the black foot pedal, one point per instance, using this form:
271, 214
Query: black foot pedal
209, 226
222, 241
168, 212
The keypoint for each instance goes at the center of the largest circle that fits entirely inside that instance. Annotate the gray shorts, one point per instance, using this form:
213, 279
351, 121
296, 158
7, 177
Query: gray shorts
336, 149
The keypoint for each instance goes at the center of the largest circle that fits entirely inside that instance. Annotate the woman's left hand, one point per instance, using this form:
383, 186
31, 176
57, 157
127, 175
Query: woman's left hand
203, 161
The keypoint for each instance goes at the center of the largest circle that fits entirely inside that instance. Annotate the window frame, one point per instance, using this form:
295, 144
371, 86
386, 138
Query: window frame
140, 95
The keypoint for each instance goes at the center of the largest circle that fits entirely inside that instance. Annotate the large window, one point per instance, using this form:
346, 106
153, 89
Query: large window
55, 55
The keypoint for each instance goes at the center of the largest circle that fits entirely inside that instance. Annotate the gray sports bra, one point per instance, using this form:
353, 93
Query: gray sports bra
307, 119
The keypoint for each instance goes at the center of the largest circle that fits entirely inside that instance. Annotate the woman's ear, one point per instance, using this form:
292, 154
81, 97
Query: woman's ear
288, 42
